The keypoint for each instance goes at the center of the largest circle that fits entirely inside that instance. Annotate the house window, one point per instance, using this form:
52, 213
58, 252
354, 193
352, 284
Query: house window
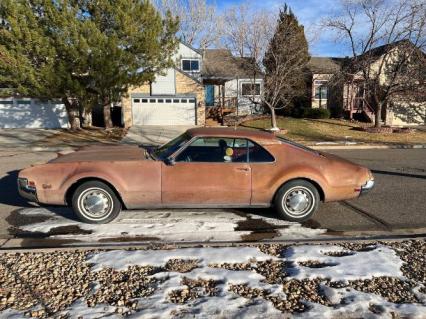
136, 100
152, 100
144, 100
183, 100
168, 101
321, 90
190, 65
176, 101
248, 89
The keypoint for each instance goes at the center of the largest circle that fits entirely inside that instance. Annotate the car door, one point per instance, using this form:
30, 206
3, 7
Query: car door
208, 172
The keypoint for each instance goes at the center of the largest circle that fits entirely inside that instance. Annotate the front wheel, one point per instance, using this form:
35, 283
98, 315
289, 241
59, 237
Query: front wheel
297, 201
95, 203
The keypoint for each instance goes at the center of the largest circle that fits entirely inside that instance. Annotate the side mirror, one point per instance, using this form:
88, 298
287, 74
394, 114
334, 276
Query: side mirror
170, 161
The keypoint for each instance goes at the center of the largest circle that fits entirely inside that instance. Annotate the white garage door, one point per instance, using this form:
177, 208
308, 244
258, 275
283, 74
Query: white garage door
163, 111
25, 112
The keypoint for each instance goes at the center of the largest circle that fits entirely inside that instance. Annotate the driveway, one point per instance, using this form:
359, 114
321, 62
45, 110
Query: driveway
153, 135
15, 138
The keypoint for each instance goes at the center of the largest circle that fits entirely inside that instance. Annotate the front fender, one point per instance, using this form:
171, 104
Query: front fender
115, 181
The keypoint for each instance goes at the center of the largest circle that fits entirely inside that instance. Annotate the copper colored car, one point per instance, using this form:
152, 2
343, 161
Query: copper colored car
203, 167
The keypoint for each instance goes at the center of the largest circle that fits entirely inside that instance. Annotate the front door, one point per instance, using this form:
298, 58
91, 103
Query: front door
209, 95
211, 171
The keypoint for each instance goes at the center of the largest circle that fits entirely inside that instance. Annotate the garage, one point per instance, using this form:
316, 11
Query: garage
164, 110
24, 112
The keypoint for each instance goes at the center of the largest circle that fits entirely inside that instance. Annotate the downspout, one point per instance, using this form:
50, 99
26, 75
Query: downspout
238, 95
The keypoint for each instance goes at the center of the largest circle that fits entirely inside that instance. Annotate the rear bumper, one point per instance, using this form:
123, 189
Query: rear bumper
26, 191
368, 186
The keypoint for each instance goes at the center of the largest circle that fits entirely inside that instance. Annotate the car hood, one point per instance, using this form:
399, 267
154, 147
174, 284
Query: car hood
103, 153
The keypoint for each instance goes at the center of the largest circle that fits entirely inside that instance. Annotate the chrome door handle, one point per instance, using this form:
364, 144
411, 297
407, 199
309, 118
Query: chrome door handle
245, 169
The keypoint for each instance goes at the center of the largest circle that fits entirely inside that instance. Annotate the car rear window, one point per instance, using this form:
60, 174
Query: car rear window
298, 145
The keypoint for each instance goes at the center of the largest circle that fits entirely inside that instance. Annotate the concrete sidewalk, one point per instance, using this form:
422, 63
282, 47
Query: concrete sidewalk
153, 135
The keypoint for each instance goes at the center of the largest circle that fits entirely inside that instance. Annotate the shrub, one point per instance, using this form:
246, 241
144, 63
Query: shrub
316, 113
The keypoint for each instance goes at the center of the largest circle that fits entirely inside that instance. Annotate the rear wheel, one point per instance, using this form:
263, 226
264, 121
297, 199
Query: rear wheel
297, 201
95, 202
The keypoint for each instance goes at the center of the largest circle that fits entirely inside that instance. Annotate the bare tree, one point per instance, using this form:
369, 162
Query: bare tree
275, 50
385, 38
236, 23
247, 34
199, 21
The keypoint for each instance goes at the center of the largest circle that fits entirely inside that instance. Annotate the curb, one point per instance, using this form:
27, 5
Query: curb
366, 147
15, 244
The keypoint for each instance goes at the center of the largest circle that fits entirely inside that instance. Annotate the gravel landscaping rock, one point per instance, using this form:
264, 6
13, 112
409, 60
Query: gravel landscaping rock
42, 285
181, 265
194, 289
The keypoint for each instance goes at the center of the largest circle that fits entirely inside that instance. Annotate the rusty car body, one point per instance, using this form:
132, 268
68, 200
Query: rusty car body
204, 167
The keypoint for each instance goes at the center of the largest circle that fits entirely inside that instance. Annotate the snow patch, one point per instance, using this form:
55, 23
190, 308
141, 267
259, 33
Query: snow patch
381, 261
166, 225
351, 303
122, 259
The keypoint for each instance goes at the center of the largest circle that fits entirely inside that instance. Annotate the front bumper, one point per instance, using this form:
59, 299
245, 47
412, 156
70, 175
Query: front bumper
26, 191
368, 186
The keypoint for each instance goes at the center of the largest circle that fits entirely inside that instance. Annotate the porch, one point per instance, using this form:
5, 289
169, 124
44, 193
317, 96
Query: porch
356, 103
218, 105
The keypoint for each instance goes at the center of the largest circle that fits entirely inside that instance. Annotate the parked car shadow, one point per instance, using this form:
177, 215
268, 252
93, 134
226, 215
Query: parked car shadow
11, 197
9, 190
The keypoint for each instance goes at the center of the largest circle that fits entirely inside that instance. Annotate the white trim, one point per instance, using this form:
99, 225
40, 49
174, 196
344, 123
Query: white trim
190, 59
251, 83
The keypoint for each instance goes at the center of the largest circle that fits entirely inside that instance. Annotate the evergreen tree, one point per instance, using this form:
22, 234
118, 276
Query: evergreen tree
83, 51
285, 61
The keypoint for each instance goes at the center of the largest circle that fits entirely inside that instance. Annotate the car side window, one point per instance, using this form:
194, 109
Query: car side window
257, 154
215, 150
207, 149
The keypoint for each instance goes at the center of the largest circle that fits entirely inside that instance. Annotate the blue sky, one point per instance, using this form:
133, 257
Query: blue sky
309, 13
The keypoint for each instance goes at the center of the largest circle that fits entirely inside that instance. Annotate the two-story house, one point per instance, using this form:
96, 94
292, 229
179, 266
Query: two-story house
337, 87
200, 80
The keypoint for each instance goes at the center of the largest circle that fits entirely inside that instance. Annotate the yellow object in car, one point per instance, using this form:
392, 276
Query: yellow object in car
229, 151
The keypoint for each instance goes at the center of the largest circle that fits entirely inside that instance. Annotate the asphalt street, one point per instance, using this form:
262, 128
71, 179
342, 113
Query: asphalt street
397, 201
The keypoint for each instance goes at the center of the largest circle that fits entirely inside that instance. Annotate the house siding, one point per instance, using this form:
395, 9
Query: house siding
403, 113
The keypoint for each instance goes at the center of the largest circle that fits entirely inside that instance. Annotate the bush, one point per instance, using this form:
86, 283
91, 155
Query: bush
316, 113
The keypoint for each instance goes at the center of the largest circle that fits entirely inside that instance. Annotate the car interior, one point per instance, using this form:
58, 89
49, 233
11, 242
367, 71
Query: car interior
224, 150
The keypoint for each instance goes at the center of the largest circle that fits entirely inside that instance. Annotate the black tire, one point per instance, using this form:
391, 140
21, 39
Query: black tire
104, 199
304, 194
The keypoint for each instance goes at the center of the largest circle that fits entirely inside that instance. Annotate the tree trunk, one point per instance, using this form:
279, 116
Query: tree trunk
72, 112
273, 120
85, 114
378, 115
107, 114
87, 117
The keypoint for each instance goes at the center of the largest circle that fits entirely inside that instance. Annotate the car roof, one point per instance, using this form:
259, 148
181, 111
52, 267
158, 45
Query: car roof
261, 137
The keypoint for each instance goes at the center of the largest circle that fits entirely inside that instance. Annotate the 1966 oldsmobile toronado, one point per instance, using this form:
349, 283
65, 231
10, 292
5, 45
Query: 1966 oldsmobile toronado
203, 167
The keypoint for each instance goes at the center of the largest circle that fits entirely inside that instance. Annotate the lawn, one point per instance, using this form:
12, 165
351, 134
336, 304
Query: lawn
311, 131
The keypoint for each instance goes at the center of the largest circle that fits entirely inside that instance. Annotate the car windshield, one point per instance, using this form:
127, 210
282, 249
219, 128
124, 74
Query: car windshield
169, 148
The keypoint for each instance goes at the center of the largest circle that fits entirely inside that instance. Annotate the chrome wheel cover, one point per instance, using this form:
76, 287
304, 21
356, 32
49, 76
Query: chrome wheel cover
298, 201
95, 203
